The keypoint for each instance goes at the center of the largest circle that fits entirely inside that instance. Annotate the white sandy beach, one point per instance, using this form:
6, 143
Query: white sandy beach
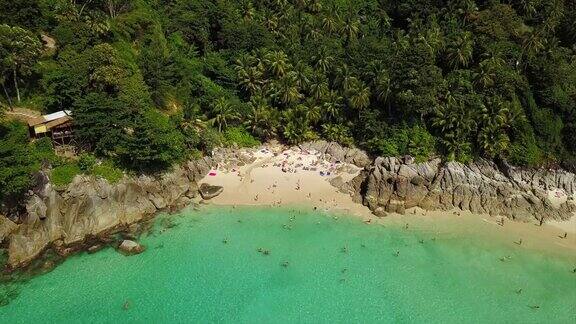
282, 176
286, 177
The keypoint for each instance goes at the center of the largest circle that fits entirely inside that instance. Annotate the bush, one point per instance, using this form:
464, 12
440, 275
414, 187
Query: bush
44, 151
108, 171
338, 133
210, 139
525, 154
415, 141
383, 147
421, 144
240, 137
63, 175
86, 162
524, 150
17, 160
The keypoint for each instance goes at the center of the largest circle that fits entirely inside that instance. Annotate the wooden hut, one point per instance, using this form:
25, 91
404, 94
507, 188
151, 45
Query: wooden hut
58, 126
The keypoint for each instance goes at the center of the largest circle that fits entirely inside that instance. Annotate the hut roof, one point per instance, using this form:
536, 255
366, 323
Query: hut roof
57, 115
58, 122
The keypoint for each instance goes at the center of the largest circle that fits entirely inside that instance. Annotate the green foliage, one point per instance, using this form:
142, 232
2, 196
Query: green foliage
421, 144
44, 151
89, 164
240, 137
107, 170
415, 141
17, 160
525, 152
63, 175
86, 162
19, 51
152, 144
151, 81
210, 139
338, 133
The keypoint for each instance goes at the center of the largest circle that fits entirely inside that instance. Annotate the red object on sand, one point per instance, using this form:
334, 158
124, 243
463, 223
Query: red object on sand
212, 174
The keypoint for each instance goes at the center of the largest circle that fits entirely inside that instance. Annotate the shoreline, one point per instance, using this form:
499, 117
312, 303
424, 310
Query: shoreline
278, 177
317, 174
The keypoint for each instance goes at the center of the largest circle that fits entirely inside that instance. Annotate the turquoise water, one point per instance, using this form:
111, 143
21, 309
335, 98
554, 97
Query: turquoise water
207, 268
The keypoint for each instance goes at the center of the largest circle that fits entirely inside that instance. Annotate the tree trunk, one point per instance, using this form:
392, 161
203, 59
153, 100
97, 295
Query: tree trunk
7, 97
16, 86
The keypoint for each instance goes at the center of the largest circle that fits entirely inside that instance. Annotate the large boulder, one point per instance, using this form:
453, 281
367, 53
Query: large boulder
129, 247
209, 191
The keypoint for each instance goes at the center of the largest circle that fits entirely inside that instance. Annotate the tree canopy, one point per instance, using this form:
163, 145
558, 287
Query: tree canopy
150, 81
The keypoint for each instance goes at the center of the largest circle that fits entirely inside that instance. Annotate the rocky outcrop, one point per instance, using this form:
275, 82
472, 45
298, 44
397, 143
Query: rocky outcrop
91, 207
6, 227
394, 184
208, 191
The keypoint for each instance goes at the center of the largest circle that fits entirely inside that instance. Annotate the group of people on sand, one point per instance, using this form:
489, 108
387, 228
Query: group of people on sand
292, 162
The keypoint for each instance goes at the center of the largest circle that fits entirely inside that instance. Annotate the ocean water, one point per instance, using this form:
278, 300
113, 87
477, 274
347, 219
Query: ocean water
284, 265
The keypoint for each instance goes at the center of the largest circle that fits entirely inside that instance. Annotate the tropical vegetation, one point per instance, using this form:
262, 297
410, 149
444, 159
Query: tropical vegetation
151, 82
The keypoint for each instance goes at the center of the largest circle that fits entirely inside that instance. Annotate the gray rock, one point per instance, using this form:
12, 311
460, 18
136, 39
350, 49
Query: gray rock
208, 191
89, 207
95, 248
130, 247
393, 185
6, 227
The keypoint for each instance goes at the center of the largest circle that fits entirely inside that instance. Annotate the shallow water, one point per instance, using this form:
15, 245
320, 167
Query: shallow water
207, 268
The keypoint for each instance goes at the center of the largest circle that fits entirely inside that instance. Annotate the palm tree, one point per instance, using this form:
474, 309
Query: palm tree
249, 76
223, 113
270, 21
359, 96
262, 119
344, 78
381, 85
318, 86
533, 44
332, 106
280, 3
323, 61
350, 29
330, 23
248, 11
277, 62
460, 49
296, 125
313, 112
250, 80
315, 6
383, 21
307, 23
493, 140
485, 77
286, 90
300, 4
301, 73
455, 121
